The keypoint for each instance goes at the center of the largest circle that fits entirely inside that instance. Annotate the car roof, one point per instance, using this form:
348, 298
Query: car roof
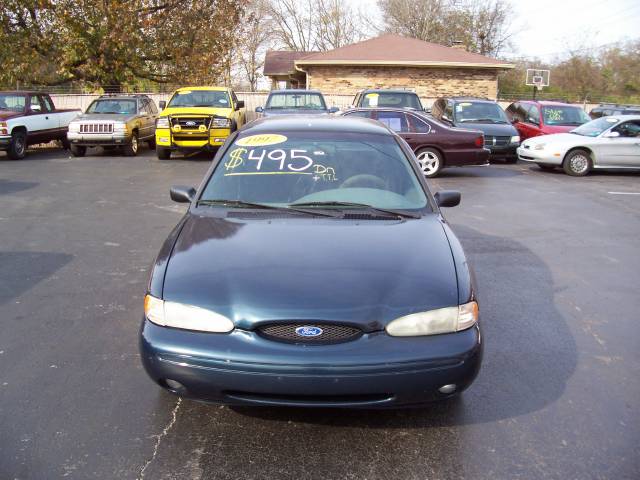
622, 117
301, 123
471, 99
22, 92
295, 90
548, 103
219, 89
387, 90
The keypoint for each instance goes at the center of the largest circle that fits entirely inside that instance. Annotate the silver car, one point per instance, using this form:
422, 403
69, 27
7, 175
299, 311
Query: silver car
607, 142
114, 121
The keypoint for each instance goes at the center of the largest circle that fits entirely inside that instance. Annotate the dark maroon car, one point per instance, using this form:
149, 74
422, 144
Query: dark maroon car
435, 144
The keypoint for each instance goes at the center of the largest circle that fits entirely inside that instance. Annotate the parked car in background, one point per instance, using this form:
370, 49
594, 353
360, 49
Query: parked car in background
435, 144
28, 118
532, 118
500, 137
197, 118
313, 268
394, 98
607, 142
295, 102
606, 109
114, 120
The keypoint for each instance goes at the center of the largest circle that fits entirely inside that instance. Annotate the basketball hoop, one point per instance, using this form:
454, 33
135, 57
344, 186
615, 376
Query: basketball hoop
538, 79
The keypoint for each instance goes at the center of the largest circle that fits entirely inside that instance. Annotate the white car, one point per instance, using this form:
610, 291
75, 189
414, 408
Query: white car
607, 142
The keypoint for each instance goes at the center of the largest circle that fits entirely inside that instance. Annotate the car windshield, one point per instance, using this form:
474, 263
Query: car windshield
117, 106
595, 127
391, 99
564, 115
200, 98
479, 112
307, 101
12, 102
315, 167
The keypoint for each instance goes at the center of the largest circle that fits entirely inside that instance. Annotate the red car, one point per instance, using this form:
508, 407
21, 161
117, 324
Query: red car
533, 118
435, 144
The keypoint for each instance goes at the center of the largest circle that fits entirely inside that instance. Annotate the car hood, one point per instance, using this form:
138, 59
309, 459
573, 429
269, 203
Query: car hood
104, 117
6, 115
220, 112
294, 111
549, 129
363, 272
493, 129
559, 139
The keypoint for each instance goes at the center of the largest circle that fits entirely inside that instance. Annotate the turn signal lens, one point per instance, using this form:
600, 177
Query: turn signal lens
433, 322
187, 317
162, 122
480, 141
515, 139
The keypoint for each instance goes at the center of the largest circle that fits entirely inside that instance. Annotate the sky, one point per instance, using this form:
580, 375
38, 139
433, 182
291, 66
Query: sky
548, 29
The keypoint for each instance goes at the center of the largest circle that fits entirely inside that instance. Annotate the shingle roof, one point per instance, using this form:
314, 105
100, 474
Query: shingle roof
282, 62
392, 49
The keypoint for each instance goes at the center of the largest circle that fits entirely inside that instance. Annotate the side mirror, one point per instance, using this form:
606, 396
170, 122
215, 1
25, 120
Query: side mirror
334, 110
259, 109
611, 135
162, 104
35, 108
447, 198
182, 194
446, 118
239, 104
427, 110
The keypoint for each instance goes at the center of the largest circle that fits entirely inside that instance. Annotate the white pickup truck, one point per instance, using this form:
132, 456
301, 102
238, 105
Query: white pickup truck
27, 118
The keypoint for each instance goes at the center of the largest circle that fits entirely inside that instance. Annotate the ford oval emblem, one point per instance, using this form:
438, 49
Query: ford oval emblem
308, 331
190, 123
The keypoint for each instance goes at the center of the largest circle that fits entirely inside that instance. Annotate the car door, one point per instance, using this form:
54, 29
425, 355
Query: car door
621, 151
238, 113
420, 132
37, 121
531, 123
146, 119
396, 121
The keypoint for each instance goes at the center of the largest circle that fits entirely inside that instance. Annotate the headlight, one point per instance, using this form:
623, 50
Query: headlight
221, 122
515, 139
162, 122
433, 322
74, 127
187, 317
119, 127
539, 146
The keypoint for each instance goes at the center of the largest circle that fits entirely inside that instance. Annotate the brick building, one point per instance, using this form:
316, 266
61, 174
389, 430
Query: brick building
388, 61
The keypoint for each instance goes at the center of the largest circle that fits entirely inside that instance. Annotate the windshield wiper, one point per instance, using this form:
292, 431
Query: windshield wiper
261, 206
396, 213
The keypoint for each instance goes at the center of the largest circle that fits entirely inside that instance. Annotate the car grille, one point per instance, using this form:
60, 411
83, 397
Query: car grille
96, 128
491, 141
331, 333
190, 122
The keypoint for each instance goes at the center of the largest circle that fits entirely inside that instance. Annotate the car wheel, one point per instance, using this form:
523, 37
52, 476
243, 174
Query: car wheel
131, 150
430, 161
65, 143
577, 163
17, 145
546, 168
163, 153
78, 151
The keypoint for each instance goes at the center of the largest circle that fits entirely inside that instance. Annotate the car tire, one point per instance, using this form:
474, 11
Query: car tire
546, 168
430, 161
577, 163
163, 153
65, 143
17, 145
78, 150
131, 150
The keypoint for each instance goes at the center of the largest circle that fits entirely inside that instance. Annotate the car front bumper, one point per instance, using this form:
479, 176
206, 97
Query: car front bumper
507, 151
191, 140
97, 139
5, 140
539, 156
374, 371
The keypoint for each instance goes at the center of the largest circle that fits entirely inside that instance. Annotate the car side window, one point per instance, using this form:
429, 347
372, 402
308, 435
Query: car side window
533, 116
46, 102
418, 125
448, 111
152, 107
396, 121
511, 110
629, 129
234, 98
521, 112
34, 105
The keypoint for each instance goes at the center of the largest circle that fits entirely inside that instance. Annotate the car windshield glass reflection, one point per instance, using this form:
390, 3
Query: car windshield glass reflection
480, 112
200, 98
564, 116
113, 106
317, 169
307, 101
595, 127
392, 99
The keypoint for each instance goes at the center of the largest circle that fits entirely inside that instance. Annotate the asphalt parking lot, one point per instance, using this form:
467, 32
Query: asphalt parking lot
558, 265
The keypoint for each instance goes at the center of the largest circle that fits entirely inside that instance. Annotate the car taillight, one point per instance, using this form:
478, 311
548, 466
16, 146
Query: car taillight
480, 141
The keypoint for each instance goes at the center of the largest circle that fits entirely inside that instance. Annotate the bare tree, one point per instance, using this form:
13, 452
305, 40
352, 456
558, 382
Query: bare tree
256, 38
293, 21
337, 24
423, 19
